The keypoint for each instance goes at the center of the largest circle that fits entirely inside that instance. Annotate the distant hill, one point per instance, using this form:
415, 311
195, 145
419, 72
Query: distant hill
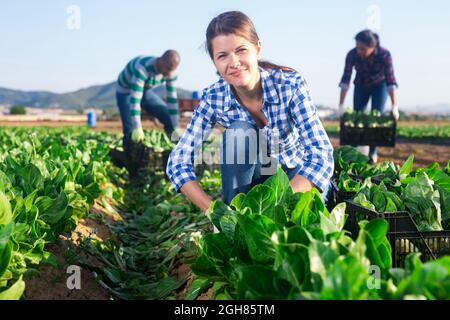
98, 96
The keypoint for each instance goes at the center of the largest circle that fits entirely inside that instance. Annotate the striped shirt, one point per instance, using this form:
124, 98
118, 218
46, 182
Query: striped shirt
292, 117
375, 69
141, 74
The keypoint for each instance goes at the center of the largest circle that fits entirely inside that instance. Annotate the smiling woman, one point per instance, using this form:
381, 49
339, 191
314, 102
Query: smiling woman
269, 117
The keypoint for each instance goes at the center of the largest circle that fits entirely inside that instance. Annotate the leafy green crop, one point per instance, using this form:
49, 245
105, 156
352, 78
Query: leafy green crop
424, 192
48, 180
367, 119
158, 140
408, 130
273, 244
430, 132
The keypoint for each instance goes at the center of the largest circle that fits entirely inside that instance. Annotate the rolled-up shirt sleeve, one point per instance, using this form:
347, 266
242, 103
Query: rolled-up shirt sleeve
348, 69
180, 168
318, 163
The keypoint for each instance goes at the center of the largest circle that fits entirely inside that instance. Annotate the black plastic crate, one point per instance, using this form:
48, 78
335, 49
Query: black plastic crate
356, 136
157, 161
141, 157
399, 221
340, 195
403, 234
431, 244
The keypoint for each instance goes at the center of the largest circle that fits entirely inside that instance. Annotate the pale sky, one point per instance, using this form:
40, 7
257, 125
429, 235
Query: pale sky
46, 45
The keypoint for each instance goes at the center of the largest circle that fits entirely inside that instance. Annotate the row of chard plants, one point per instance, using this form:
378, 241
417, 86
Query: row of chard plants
48, 180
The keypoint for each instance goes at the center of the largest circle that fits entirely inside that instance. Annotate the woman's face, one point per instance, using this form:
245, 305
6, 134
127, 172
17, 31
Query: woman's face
363, 50
236, 59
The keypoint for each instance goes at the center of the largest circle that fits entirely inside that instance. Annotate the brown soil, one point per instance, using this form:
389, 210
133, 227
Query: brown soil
182, 272
206, 296
110, 126
51, 282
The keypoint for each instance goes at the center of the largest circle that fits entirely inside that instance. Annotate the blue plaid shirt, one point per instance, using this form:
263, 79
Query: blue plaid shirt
291, 115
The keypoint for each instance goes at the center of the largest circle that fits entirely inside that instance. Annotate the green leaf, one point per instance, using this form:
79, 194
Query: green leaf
52, 210
345, 155
14, 292
379, 201
228, 224
407, 166
236, 203
219, 291
167, 286
308, 208
281, 187
321, 257
377, 229
430, 279
412, 262
336, 221
216, 210
423, 202
362, 201
5, 182
215, 256
295, 234
258, 232
385, 252
260, 199
5, 258
292, 263
338, 216
390, 205
5, 209
262, 283
346, 279
29, 200
32, 178
199, 285
205, 266
278, 215
5, 247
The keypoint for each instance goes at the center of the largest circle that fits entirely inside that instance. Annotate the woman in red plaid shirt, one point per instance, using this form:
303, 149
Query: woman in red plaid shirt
374, 78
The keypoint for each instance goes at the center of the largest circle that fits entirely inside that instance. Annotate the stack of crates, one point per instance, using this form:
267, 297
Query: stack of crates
403, 234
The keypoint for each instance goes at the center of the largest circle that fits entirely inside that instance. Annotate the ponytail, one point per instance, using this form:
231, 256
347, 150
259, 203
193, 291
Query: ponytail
377, 38
266, 65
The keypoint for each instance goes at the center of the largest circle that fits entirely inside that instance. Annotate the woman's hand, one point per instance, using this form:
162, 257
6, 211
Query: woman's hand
300, 184
395, 112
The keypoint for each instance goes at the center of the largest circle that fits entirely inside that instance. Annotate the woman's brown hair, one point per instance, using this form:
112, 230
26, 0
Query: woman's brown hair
236, 22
